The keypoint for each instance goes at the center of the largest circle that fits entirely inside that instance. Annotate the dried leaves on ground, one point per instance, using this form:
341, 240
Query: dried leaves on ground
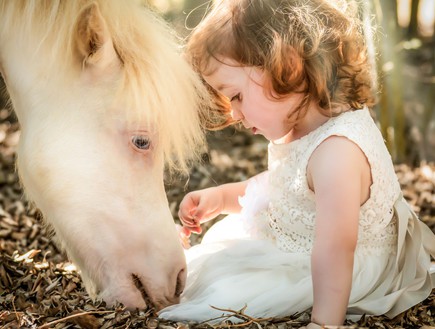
39, 288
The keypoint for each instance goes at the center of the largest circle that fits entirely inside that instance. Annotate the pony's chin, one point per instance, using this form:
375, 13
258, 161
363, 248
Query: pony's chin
130, 299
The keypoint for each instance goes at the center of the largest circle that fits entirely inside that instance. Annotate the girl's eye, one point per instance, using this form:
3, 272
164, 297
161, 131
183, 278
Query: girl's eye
235, 98
141, 142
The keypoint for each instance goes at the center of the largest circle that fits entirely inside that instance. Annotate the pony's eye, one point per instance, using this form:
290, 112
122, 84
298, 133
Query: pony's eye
141, 142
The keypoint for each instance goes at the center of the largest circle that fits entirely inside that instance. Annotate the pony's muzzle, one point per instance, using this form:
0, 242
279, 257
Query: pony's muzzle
157, 304
175, 292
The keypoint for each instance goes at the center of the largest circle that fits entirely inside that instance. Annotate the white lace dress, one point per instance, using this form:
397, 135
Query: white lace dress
261, 258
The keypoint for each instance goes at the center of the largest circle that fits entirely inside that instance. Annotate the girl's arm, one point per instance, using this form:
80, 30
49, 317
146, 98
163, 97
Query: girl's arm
232, 192
230, 196
339, 174
200, 206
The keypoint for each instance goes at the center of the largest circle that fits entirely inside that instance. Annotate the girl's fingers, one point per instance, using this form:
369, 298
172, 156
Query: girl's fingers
182, 231
185, 231
191, 224
197, 229
187, 205
187, 220
183, 235
185, 215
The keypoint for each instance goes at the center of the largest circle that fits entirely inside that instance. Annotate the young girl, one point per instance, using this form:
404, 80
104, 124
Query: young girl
325, 228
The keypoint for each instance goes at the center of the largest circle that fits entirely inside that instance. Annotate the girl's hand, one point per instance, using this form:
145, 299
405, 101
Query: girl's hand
200, 206
183, 235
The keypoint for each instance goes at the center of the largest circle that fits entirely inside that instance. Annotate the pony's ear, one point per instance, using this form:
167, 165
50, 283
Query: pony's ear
93, 40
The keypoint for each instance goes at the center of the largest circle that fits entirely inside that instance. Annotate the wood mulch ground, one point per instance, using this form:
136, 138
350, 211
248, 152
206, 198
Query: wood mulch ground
39, 288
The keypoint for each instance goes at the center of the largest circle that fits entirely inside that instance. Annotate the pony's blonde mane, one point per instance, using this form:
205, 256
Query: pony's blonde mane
158, 84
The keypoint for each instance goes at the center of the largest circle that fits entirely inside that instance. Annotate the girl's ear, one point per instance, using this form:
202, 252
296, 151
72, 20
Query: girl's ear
93, 40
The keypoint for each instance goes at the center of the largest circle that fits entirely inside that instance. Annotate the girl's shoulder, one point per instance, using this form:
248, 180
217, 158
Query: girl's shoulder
358, 126
351, 130
335, 164
354, 139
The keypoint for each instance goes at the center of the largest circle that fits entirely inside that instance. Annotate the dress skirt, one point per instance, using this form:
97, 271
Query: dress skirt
233, 269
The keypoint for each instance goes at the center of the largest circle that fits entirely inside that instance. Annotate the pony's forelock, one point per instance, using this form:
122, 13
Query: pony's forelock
158, 83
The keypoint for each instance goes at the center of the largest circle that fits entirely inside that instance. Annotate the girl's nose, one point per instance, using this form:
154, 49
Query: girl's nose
236, 114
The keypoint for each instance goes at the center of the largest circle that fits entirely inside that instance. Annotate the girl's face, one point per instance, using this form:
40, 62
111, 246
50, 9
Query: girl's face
244, 86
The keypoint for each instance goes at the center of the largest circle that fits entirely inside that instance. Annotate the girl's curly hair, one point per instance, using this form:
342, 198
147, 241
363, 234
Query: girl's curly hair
316, 47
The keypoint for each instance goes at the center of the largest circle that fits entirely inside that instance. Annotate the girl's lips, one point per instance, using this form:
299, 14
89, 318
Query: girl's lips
254, 130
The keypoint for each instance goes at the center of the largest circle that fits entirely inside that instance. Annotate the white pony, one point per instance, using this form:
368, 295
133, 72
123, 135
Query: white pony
104, 99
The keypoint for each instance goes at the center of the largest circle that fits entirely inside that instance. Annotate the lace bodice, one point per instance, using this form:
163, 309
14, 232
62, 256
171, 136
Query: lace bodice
291, 209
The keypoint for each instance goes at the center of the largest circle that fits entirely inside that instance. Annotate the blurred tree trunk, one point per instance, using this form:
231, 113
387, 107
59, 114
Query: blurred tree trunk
413, 23
391, 112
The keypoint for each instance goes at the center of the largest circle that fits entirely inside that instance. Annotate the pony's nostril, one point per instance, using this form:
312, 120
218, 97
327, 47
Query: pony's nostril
181, 280
139, 285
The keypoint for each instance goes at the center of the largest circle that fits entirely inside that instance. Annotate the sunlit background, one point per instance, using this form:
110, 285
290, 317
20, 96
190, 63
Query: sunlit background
425, 12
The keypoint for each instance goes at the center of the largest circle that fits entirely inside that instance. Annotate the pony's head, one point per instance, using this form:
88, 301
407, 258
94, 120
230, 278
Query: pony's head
104, 100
